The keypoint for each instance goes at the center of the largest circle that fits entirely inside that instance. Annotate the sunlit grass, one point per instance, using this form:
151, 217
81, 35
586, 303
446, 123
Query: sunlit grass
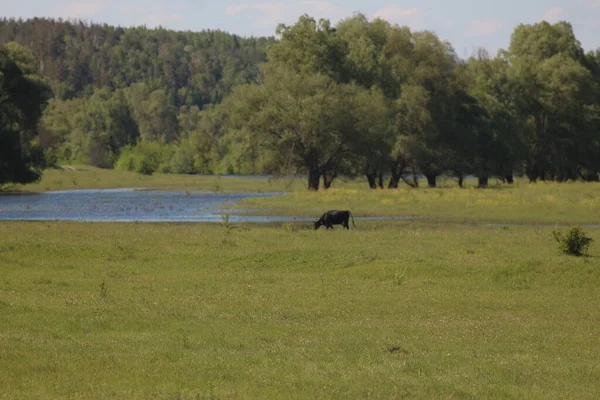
520, 203
87, 177
386, 310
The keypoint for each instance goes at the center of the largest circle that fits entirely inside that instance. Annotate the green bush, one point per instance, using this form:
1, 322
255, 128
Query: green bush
145, 158
182, 161
144, 166
574, 243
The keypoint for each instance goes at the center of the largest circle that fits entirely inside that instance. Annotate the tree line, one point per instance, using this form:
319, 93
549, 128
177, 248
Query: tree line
361, 98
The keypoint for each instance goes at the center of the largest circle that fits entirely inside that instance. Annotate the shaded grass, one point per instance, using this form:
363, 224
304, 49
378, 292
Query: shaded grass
387, 310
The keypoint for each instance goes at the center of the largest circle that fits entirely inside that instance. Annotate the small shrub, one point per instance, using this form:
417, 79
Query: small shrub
289, 226
217, 186
182, 161
103, 290
226, 224
145, 158
574, 242
144, 166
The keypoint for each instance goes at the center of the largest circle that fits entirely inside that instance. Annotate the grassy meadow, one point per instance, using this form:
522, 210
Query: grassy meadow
79, 177
544, 203
389, 309
386, 310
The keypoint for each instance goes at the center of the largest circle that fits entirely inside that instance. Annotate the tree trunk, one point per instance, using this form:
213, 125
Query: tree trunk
371, 180
313, 179
393, 184
328, 179
380, 180
415, 181
532, 171
482, 181
460, 181
431, 180
509, 179
396, 170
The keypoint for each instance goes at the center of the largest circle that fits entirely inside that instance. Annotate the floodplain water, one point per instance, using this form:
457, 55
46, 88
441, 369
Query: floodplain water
128, 205
144, 205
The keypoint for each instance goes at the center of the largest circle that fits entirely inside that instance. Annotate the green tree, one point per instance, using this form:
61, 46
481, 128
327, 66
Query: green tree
310, 121
154, 113
23, 96
503, 150
554, 93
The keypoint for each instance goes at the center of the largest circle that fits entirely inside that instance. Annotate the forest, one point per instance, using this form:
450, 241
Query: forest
357, 99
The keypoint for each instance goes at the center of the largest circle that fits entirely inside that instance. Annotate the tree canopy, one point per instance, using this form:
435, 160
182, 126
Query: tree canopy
23, 96
361, 98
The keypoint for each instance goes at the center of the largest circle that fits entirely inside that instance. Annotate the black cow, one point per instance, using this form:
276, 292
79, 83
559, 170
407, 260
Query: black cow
334, 217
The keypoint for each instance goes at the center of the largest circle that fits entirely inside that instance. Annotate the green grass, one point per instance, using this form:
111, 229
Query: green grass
87, 177
548, 203
387, 310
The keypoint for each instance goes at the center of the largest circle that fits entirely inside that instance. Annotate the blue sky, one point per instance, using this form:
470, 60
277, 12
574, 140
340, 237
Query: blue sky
467, 25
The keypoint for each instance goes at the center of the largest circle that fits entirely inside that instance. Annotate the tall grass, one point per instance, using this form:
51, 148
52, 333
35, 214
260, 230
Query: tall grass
386, 310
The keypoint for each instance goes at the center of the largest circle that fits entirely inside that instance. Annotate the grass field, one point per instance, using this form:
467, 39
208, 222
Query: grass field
386, 310
547, 203
88, 177
413, 309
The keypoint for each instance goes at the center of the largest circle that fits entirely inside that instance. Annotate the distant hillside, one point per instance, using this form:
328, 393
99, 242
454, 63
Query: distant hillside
200, 67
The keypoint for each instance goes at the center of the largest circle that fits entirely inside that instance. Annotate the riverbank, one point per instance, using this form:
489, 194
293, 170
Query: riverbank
82, 177
519, 203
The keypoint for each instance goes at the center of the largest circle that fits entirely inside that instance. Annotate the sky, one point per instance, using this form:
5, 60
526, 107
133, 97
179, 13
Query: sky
465, 24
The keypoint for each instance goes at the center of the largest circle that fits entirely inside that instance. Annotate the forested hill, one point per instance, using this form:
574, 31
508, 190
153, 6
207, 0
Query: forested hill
201, 67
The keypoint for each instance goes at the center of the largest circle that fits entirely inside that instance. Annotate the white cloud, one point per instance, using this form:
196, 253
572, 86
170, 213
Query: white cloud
272, 14
153, 13
483, 28
593, 4
83, 10
553, 14
412, 17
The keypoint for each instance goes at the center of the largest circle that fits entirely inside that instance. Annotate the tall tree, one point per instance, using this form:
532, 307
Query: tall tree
553, 90
311, 121
23, 96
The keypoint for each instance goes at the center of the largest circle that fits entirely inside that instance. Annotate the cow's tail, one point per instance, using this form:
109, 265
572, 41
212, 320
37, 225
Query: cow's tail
351, 216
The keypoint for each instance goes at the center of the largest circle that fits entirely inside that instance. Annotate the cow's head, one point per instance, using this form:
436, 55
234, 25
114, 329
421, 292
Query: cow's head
318, 223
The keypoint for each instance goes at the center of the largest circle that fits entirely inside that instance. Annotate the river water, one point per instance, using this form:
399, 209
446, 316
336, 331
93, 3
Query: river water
142, 205
137, 205
129, 205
